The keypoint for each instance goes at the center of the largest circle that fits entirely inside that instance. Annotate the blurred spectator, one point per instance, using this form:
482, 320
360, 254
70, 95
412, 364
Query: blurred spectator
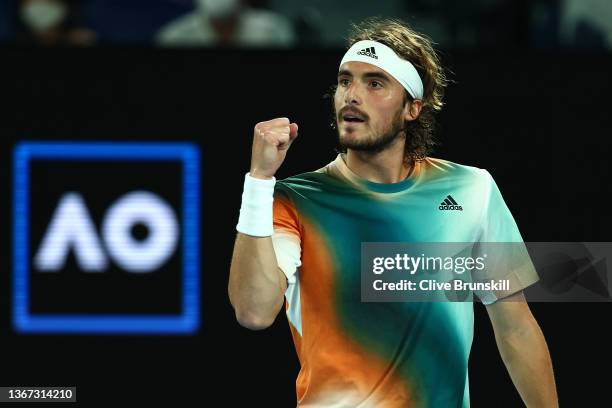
227, 23
587, 24
51, 23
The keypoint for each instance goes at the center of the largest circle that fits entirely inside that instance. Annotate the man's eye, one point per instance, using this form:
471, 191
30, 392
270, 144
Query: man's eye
343, 82
376, 84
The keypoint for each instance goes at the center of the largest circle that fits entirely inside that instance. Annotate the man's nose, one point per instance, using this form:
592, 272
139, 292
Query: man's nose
353, 94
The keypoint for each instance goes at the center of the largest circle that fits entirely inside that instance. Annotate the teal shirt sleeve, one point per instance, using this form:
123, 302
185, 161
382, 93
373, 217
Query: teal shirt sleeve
507, 258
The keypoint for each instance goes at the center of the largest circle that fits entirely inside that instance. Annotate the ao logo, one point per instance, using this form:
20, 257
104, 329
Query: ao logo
71, 227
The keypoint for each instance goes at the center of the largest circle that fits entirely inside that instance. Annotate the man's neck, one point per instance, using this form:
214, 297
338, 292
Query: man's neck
386, 166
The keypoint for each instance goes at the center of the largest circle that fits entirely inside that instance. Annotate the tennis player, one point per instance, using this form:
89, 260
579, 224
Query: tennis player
299, 242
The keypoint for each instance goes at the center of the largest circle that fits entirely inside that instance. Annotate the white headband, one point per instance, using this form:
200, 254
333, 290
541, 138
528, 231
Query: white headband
380, 55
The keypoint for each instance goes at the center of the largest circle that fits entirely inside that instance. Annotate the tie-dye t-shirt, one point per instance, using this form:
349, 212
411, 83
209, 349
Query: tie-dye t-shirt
402, 354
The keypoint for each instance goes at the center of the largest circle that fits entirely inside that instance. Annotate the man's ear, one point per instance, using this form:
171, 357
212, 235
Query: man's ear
412, 110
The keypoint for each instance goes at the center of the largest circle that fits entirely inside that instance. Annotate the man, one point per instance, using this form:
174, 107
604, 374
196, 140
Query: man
299, 239
227, 23
52, 23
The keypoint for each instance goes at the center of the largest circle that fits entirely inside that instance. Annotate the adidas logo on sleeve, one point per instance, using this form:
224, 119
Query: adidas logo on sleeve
450, 204
369, 52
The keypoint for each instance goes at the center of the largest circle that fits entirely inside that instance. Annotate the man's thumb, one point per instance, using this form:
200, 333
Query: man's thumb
293, 131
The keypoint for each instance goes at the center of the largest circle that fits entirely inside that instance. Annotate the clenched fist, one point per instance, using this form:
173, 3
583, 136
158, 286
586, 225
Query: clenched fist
271, 139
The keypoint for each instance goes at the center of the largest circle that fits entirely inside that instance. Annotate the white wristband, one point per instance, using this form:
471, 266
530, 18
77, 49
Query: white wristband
256, 209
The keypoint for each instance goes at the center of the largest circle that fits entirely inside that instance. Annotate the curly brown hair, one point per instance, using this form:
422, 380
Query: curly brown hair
418, 49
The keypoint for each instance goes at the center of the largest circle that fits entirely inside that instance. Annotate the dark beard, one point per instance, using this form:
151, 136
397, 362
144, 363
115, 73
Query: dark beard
378, 144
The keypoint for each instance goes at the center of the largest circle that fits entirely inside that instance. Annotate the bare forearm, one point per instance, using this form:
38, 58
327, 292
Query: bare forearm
256, 285
525, 354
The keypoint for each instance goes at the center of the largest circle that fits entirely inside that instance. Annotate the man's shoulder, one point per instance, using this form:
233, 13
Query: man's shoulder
310, 181
442, 168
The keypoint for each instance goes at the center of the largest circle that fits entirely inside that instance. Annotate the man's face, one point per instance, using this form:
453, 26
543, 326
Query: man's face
369, 107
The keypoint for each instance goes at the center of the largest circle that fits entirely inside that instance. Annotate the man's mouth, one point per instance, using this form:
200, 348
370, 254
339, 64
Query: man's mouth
353, 117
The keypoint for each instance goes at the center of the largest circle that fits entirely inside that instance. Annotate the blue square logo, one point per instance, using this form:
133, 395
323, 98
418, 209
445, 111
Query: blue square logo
106, 238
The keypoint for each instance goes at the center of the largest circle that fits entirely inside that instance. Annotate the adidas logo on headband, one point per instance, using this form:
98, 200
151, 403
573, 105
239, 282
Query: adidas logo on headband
368, 52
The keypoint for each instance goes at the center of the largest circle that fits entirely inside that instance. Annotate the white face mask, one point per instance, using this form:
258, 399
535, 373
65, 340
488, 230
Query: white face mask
217, 8
41, 15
